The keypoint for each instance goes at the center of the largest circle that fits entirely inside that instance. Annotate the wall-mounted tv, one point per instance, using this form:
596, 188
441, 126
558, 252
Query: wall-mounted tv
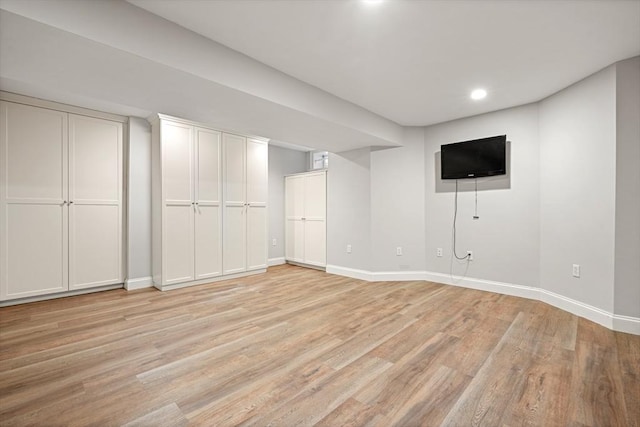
474, 159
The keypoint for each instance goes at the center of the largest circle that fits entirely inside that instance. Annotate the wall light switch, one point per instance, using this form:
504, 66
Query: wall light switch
348, 249
576, 270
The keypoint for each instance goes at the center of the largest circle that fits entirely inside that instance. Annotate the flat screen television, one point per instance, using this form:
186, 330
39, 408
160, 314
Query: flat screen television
474, 159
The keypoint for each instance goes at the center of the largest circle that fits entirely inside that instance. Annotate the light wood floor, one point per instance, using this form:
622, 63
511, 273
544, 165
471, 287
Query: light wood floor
301, 347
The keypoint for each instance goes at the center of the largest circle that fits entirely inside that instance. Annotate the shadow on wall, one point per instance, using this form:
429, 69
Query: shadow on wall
499, 182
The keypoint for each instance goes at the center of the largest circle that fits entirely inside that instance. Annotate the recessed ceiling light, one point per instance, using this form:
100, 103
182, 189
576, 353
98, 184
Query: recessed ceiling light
372, 1
478, 94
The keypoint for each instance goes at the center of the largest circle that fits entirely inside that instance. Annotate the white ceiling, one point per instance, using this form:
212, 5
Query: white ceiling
415, 62
334, 75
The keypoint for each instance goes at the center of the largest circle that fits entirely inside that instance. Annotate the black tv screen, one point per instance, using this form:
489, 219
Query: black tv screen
474, 159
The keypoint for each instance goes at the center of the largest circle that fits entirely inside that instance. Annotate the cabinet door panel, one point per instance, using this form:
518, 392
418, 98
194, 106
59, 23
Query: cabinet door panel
94, 245
294, 195
95, 152
208, 241
257, 173
33, 195
177, 162
34, 151
178, 244
235, 240
208, 166
35, 250
295, 240
256, 237
315, 251
208, 213
315, 196
95, 188
234, 169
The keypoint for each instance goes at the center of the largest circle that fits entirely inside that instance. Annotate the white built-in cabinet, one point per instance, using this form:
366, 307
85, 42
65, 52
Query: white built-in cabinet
188, 244
305, 216
60, 200
245, 204
209, 194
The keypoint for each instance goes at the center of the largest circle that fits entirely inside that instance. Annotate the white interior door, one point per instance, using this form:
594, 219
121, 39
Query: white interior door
179, 205
234, 258
95, 202
208, 212
33, 201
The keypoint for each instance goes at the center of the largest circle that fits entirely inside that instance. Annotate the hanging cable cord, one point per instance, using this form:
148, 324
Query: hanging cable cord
476, 215
455, 217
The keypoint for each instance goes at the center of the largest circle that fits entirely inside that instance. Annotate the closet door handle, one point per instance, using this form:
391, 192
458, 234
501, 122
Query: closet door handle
70, 202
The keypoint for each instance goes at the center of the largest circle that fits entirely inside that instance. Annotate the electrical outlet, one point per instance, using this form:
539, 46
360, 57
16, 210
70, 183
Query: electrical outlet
399, 251
576, 270
439, 252
470, 255
348, 249
274, 242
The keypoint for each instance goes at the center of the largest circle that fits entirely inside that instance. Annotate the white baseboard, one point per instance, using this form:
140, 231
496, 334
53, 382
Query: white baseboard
350, 272
60, 295
138, 283
627, 324
209, 280
397, 276
595, 314
276, 261
522, 291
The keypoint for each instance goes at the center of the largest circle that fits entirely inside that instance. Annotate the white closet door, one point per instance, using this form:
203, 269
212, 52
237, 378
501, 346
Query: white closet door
179, 204
33, 197
257, 194
208, 212
294, 212
95, 202
315, 204
234, 257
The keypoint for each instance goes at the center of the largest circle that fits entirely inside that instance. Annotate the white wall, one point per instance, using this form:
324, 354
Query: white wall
397, 205
282, 162
349, 209
139, 203
627, 232
577, 182
505, 240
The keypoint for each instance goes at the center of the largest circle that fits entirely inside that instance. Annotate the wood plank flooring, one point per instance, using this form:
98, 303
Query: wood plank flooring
301, 347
